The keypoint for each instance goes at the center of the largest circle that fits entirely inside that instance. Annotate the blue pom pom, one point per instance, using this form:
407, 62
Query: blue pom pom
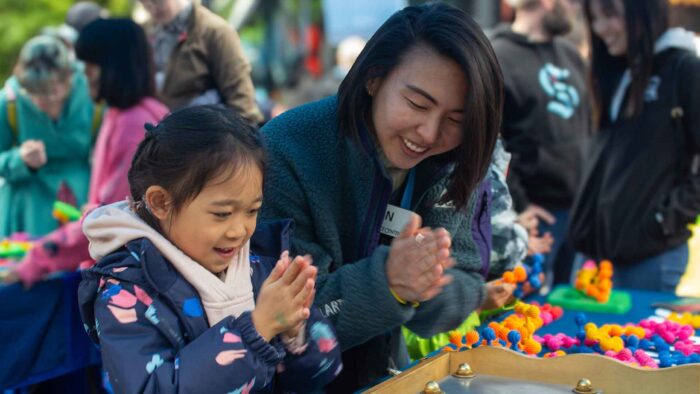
665, 360
645, 344
695, 358
632, 341
488, 334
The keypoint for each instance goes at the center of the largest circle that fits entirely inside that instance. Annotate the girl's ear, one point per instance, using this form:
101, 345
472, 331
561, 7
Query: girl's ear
158, 202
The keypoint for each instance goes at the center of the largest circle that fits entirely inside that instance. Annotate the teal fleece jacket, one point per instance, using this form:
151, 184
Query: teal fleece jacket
336, 191
26, 195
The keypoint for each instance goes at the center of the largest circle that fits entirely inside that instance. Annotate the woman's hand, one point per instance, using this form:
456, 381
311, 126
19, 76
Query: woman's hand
285, 297
417, 262
33, 153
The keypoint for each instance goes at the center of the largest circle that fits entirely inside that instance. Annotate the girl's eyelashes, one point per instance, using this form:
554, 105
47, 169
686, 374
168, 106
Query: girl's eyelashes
253, 211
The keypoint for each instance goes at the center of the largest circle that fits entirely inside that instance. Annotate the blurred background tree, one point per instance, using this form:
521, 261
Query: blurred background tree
20, 20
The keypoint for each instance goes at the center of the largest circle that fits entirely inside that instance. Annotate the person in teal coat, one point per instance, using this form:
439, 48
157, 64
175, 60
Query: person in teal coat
46, 122
380, 183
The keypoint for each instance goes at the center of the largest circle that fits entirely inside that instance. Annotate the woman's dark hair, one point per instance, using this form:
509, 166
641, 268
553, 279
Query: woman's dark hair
188, 149
120, 48
645, 21
452, 34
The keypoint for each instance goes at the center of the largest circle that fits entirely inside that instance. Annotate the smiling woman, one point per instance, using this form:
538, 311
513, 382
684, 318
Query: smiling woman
380, 179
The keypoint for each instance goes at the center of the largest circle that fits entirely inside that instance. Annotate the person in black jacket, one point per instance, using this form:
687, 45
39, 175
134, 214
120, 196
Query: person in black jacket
641, 187
546, 118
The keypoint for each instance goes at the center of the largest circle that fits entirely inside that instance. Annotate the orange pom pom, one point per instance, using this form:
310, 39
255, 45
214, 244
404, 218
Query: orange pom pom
533, 312
520, 274
532, 347
456, 338
471, 337
508, 277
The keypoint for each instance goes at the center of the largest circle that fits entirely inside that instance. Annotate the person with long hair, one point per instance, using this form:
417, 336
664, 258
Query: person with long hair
408, 138
641, 188
119, 71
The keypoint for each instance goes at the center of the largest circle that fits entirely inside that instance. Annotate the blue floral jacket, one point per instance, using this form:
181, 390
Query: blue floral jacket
154, 336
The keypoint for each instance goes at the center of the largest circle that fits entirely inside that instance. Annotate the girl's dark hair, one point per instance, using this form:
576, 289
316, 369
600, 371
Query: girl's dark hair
645, 21
120, 48
188, 149
453, 34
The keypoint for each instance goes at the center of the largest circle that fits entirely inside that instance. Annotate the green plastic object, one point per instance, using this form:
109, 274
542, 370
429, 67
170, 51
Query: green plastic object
66, 211
569, 298
9, 250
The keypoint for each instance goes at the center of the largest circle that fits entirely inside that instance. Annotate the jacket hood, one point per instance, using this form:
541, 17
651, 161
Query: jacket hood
110, 227
503, 31
675, 38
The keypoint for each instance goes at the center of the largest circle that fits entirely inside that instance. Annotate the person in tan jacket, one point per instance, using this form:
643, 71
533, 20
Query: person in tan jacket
199, 58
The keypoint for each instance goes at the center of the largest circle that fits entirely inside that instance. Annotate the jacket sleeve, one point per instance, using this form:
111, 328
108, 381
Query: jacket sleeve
231, 73
457, 300
140, 357
509, 238
317, 363
682, 205
355, 296
61, 250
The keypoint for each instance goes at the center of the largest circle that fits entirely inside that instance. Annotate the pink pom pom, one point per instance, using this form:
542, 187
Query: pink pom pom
547, 317
625, 355
589, 265
554, 344
685, 332
568, 342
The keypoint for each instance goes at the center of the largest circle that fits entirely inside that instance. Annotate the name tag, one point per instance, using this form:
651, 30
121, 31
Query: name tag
395, 219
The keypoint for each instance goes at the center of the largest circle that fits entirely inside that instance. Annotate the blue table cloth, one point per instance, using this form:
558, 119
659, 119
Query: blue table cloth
41, 334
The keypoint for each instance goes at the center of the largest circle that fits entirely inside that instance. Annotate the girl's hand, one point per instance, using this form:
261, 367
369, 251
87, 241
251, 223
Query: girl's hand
498, 294
283, 303
417, 262
294, 332
33, 153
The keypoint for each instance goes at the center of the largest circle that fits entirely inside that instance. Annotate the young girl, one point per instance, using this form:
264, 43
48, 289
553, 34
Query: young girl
642, 185
184, 296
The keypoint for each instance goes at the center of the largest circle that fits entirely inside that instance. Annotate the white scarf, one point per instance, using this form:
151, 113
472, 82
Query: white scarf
110, 227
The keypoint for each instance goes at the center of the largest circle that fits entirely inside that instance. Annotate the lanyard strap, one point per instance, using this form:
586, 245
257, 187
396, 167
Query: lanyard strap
408, 190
